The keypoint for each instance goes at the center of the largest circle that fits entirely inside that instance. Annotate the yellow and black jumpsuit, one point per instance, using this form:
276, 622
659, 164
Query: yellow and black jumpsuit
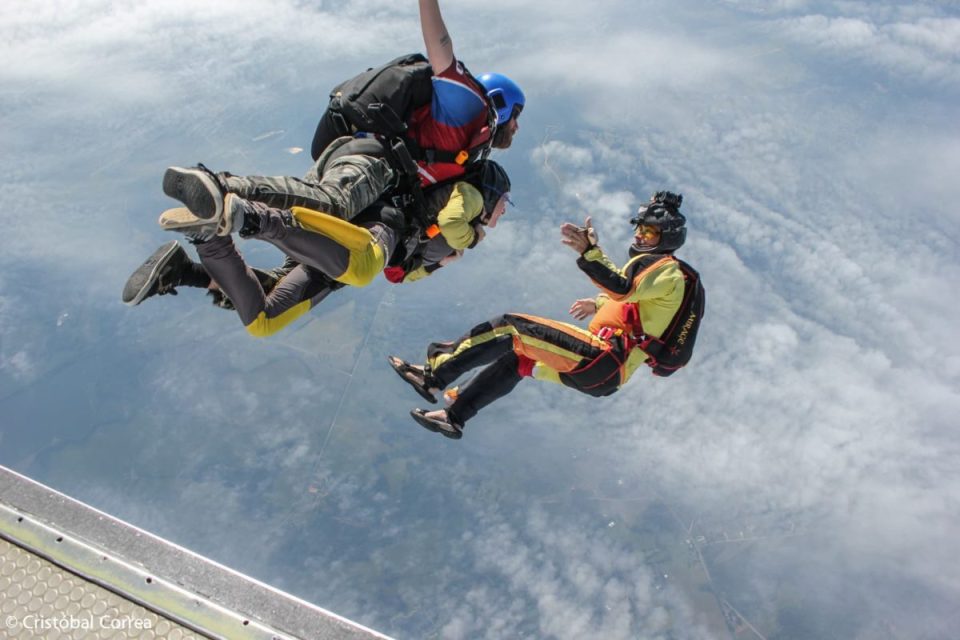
647, 292
458, 208
329, 248
324, 245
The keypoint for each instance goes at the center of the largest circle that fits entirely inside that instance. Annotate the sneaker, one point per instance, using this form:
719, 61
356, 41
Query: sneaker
229, 220
198, 188
157, 275
181, 219
233, 215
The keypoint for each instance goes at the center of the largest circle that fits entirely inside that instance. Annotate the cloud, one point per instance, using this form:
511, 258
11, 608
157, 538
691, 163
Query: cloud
539, 566
815, 145
923, 49
18, 365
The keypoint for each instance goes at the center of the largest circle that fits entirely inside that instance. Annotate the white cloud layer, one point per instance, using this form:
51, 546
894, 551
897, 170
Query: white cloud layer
810, 443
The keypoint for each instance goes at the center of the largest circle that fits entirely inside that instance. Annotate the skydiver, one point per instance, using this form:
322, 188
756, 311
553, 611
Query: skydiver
647, 292
353, 171
328, 252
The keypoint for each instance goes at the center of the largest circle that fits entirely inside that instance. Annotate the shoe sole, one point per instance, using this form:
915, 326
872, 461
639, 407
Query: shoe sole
133, 294
195, 189
432, 425
401, 368
181, 218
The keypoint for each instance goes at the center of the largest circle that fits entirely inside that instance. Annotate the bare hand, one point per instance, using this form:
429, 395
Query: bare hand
456, 255
579, 238
583, 308
481, 233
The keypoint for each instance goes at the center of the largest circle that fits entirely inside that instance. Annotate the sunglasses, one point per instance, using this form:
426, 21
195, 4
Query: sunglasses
647, 231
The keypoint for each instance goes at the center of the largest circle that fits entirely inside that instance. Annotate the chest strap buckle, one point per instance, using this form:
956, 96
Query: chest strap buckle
608, 333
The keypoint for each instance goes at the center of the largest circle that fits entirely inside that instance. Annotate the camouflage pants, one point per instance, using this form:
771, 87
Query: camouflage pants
341, 186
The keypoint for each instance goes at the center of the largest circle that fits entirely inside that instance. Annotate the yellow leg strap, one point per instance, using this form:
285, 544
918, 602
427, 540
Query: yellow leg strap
263, 326
342, 232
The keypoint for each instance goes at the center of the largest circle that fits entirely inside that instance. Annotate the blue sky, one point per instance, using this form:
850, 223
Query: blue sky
811, 443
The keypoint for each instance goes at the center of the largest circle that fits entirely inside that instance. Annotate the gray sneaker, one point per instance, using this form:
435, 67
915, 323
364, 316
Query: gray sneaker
157, 275
230, 220
182, 220
198, 188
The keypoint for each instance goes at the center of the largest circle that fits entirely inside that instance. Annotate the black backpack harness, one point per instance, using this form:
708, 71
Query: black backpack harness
674, 348
378, 103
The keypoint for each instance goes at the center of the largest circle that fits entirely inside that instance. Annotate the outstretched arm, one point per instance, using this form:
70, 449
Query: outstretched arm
435, 36
592, 260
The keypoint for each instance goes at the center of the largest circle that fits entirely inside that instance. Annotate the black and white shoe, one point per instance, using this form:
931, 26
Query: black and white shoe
235, 209
182, 220
157, 275
230, 220
197, 188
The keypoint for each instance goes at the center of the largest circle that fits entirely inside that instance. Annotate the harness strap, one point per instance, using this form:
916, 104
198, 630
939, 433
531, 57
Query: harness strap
608, 334
434, 156
601, 359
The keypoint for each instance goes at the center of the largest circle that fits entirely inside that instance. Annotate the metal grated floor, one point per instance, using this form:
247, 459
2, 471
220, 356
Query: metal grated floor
40, 600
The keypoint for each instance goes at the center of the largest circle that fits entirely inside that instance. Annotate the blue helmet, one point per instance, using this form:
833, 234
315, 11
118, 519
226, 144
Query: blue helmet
507, 97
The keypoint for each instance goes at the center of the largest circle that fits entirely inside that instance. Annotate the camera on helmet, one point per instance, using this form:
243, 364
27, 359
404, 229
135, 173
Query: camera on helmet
668, 198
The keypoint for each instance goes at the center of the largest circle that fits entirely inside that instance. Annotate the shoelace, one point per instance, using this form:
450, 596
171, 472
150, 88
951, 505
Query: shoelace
216, 178
201, 234
164, 288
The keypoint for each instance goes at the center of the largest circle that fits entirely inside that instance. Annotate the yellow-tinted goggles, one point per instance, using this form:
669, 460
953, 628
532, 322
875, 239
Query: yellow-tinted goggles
647, 231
